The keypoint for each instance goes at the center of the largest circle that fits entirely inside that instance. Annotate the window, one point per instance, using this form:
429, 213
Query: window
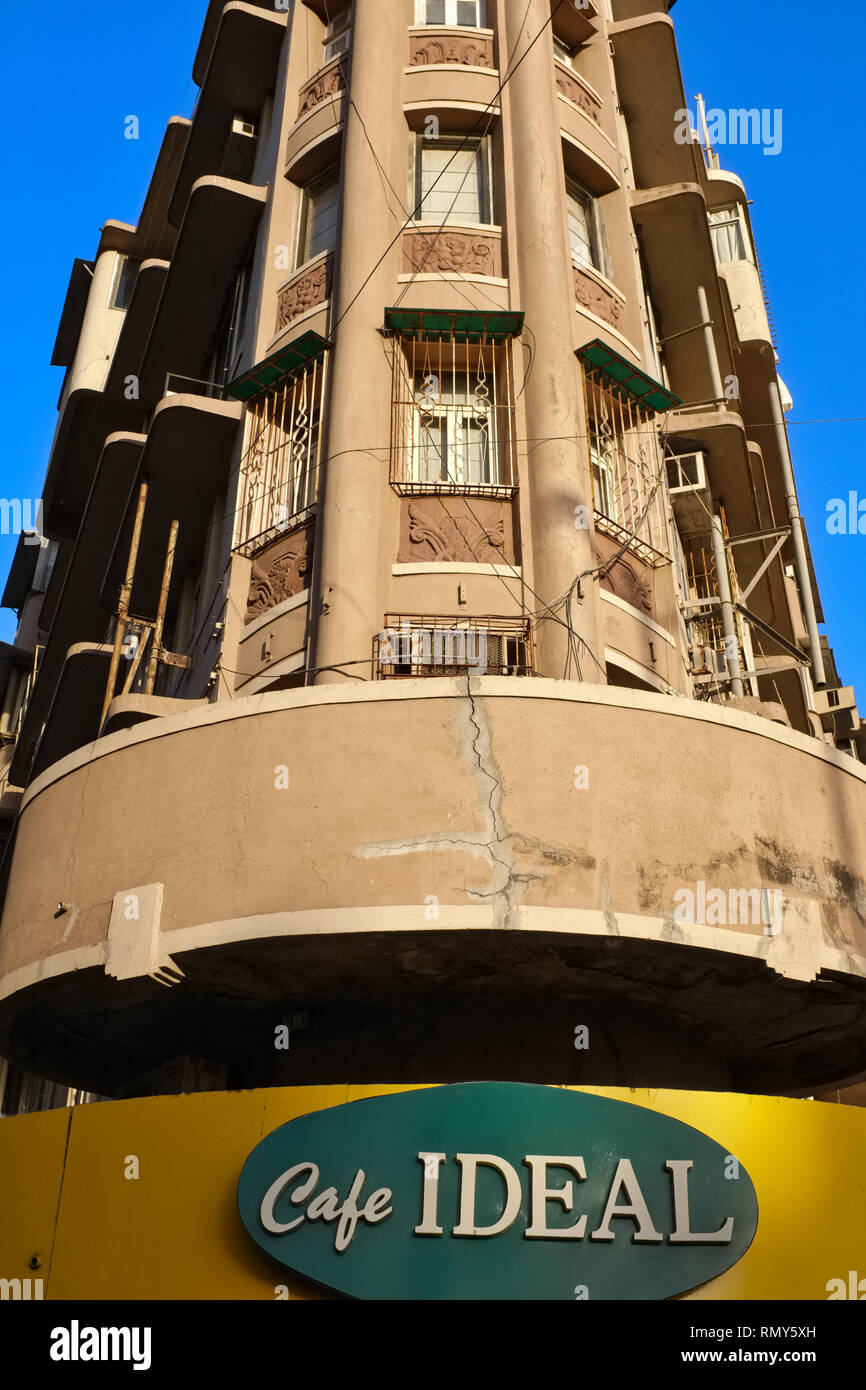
452, 180
731, 241
629, 495
583, 225
563, 51
125, 276
452, 416
280, 468
319, 217
425, 645
338, 36
451, 13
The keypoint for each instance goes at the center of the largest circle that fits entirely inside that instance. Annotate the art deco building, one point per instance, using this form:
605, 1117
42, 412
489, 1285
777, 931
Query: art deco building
423, 612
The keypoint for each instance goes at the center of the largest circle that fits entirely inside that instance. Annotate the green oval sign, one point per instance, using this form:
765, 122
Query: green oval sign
497, 1190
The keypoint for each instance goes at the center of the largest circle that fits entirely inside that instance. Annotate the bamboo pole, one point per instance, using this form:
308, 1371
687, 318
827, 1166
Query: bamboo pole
123, 604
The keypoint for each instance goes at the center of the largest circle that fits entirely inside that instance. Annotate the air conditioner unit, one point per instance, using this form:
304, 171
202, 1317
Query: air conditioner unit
239, 154
709, 662
686, 472
241, 126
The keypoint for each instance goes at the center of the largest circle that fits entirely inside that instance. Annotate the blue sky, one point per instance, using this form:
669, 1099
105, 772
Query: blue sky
80, 70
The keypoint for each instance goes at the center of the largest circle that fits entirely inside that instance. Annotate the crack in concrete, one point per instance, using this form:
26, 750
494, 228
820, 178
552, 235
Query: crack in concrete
495, 844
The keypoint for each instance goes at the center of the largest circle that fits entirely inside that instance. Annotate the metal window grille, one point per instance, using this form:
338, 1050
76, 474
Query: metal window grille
279, 476
629, 495
452, 424
428, 645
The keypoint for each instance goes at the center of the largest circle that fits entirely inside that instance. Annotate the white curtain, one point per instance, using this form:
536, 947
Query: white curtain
727, 234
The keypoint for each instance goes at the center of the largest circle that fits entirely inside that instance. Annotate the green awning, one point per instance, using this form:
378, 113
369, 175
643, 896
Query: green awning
625, 378
474, 326
289, 361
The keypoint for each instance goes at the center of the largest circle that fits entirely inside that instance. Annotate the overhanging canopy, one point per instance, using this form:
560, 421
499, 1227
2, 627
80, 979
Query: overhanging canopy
474, 326
625, 378
289, 361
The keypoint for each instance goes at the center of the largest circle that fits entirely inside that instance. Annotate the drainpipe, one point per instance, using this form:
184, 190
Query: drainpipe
710, 343
801, 564
732, 637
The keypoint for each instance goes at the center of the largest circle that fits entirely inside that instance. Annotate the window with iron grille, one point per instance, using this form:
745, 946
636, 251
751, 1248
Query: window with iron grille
629, 495
452, 425
426, 645
279, 475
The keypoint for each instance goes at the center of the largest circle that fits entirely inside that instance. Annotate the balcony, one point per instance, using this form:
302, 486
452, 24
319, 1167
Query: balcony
542, 890
240, 76
218, 226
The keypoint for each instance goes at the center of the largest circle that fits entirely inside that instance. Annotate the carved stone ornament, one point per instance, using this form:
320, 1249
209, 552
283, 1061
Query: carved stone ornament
464, 253
280, 572
577, 93
326, 85
475, 52
452, 532
628, 578
596, 298
309, 289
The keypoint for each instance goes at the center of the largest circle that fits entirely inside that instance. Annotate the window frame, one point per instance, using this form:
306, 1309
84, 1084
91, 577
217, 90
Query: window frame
117, 280
338, 29
737, 218
453, 416
451, 9
575, 191
329, 177
484, 165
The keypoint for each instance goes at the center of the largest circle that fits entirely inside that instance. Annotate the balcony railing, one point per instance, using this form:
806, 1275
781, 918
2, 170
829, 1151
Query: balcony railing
279, 476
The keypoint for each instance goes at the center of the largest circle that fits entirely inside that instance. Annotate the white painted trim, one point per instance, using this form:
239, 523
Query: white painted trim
789, 954
459, 276
456, 567
635, 668
445, 688
636, 613
279, 610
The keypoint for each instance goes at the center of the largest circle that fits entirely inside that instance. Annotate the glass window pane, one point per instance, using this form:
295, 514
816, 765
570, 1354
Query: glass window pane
435, 12
457, 176
580, 229
727, 233
467, 13
322, 219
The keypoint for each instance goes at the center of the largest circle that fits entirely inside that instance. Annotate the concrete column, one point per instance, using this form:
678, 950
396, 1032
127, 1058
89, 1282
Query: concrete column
557, 472
353, 546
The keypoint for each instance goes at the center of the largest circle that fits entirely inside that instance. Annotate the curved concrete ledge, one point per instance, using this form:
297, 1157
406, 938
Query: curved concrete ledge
410, 820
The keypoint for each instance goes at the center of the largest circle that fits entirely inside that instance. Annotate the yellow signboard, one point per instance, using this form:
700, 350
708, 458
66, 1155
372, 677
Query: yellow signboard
138, 1199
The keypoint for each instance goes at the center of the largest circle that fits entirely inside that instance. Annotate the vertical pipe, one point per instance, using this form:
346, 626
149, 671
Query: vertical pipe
801, 564
710, 342
123, 604
729, 626
156, 639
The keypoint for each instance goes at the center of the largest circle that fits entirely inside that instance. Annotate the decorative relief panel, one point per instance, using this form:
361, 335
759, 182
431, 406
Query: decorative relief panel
596, 298
572, 88
446, 47
327, 84
464, 253
280, 571
456, 529
629, 578
310, 288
